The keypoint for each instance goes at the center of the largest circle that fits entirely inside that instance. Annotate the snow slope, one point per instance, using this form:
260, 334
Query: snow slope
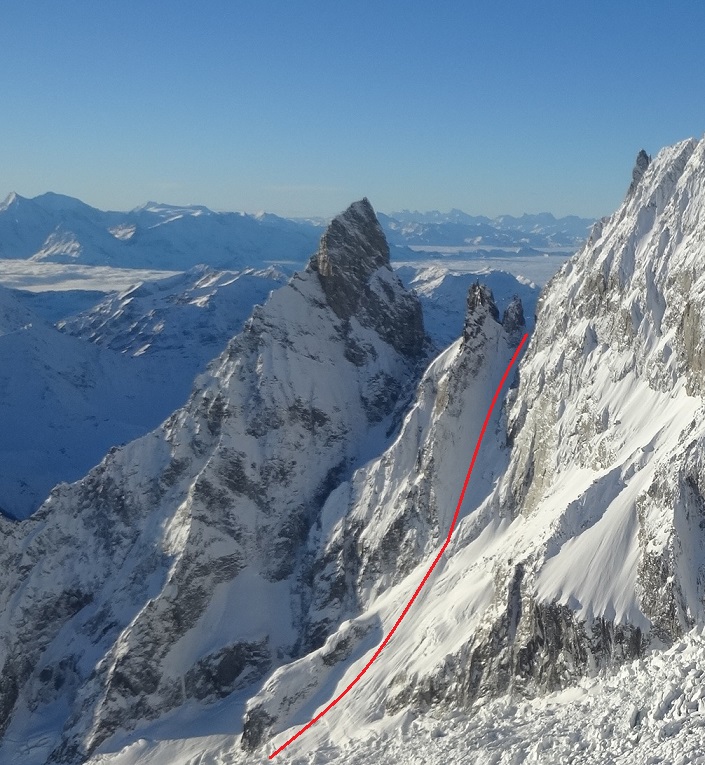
377, 530
185, 320
64, 403
646, 712
131, 361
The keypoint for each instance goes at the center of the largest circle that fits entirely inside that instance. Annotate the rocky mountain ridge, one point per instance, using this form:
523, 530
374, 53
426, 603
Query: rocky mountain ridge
588, 550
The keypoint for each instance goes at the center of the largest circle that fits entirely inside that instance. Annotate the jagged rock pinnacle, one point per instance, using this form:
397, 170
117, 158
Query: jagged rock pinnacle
643, 160
513, 320
481, 305
353, 268
351, 250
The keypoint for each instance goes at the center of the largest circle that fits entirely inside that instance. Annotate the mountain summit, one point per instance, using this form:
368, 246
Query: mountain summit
352, 251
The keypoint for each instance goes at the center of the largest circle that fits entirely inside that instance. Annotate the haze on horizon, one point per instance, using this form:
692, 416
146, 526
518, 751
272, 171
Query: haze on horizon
490, 107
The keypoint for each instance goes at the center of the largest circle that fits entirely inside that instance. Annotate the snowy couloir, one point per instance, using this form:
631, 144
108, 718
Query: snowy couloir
258, 546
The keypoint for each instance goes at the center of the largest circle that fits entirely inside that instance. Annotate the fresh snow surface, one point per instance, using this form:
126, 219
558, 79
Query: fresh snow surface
643, 713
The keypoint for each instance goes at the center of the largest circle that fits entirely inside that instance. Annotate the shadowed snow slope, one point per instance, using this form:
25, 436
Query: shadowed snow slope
64, 403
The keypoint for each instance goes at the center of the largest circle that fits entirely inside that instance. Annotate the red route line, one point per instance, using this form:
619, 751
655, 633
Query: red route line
383, 644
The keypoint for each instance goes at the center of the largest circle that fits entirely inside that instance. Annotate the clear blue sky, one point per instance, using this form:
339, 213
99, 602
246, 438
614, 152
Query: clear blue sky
301, 106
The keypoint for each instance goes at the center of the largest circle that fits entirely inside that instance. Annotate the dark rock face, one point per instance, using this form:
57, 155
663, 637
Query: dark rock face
643, 160
481, 307
513, 320
256, 727
352, 251
528, 649
221, 672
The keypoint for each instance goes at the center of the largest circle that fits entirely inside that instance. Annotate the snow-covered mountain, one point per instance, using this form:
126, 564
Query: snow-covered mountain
589, 550
58, 229
177, 565
458, 229
64, 403
392, 516
240, 565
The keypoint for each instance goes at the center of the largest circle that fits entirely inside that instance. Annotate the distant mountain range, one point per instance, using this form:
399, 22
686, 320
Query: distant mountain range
53, 228
59, 229
457, 229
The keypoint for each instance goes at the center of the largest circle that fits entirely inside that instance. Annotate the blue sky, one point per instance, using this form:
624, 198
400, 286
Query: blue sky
300, 107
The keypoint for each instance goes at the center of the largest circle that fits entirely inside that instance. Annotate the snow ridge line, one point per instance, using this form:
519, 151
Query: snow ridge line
388, 637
